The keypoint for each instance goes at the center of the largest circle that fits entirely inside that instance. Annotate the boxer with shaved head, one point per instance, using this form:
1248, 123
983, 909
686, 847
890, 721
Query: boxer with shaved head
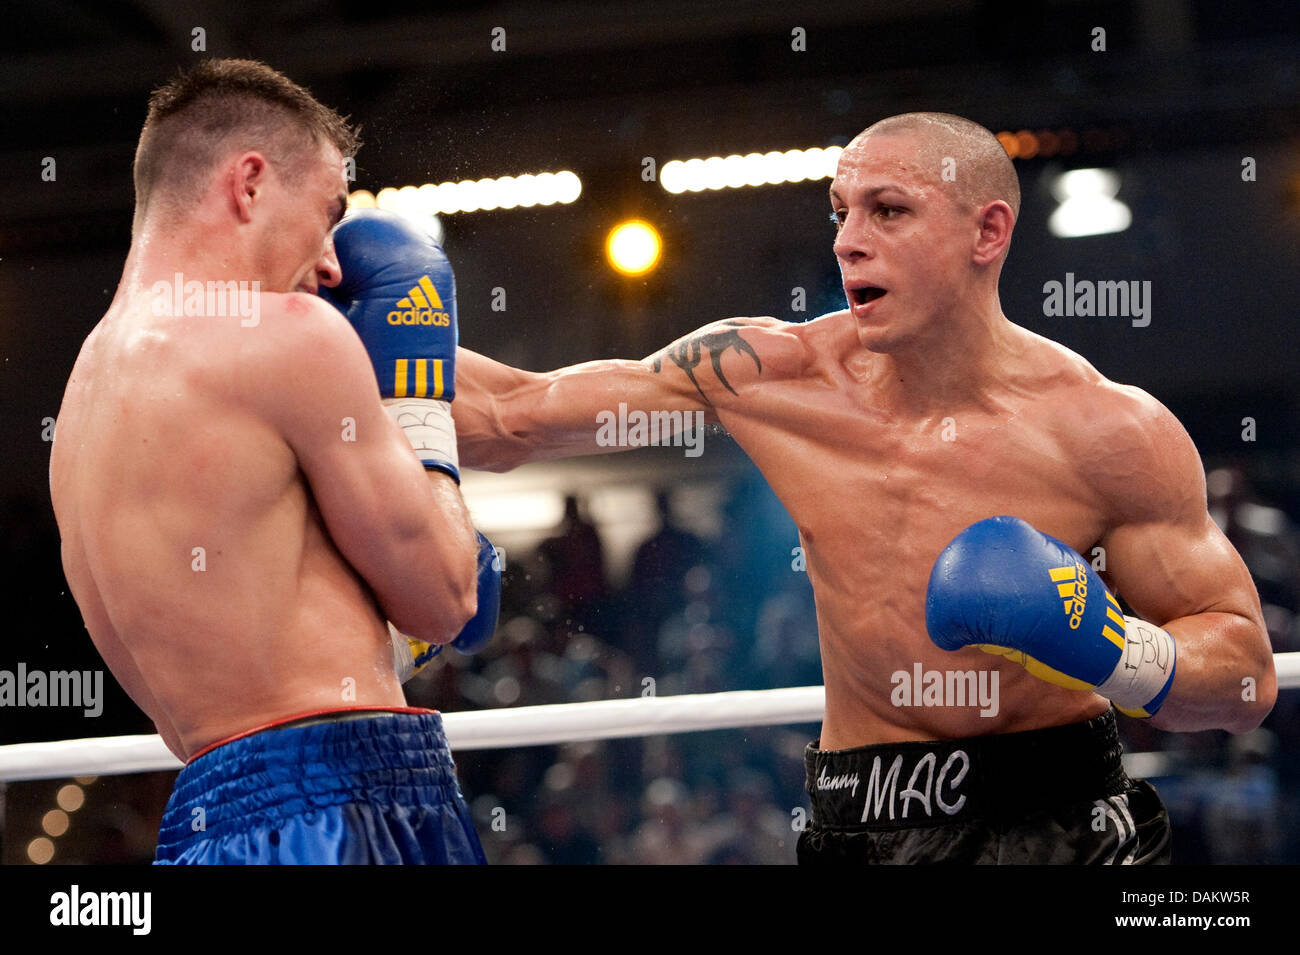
953, 477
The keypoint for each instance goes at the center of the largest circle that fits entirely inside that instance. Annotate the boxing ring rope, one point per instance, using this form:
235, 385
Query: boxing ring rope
504, 728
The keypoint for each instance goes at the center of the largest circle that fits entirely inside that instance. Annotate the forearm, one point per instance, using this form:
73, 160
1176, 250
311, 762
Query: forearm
455, 577
529, 419
429, 592
506, 417
1224, 676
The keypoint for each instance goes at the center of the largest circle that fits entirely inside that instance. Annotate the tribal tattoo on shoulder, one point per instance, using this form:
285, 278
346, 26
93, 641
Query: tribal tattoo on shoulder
716, 340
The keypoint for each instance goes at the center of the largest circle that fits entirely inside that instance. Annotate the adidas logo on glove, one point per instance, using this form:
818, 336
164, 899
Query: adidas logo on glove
422, 306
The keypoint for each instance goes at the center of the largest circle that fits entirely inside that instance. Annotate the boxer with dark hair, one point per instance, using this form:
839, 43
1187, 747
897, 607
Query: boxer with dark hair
240, 514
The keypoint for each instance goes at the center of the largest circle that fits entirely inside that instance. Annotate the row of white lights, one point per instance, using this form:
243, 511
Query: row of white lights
471, 195
561, 188
753, 169
1088, 199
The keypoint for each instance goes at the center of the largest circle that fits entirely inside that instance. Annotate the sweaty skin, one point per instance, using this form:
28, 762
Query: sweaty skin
187, 432
888, 428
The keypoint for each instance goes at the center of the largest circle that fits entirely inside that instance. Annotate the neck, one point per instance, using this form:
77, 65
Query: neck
196, 246
952, 365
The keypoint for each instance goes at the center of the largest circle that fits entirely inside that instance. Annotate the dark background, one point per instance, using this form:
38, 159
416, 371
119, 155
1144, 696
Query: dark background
1182, 93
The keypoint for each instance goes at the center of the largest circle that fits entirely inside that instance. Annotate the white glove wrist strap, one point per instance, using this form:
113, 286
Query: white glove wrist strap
428, 425
1145, 666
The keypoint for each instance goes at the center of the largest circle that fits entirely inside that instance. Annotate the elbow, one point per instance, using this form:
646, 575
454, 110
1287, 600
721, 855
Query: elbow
1250, 721
1254, 683
1257, 703
447, 617
1257, 693
447, 600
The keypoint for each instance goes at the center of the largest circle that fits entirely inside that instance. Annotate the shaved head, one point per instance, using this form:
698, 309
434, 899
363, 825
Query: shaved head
966, 158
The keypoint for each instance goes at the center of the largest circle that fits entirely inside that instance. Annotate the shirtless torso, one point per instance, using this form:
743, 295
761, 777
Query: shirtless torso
218, 530
877, 493
878, 488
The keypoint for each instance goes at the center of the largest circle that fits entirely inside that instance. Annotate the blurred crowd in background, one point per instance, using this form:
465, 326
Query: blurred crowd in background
700, 616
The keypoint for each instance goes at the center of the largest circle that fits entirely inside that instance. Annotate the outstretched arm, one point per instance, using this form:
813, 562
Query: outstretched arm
506, 416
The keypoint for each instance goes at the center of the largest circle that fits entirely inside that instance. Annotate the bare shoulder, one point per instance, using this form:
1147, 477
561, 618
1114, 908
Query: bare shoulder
832, 335
302, 349
291, 316
773, 340
1129, 447
737, 352
827, 339
299, 334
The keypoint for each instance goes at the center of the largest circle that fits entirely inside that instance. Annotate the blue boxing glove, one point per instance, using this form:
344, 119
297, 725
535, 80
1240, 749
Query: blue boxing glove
474, 636
399, 293
1009, 589
411, 655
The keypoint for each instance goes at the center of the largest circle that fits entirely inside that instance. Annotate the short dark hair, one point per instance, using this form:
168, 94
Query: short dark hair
222, 106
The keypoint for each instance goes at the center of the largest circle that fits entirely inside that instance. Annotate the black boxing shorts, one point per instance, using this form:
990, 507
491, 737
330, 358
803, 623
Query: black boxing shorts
1057, 795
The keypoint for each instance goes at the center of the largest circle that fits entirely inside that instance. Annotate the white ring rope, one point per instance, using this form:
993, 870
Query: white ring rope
500, 728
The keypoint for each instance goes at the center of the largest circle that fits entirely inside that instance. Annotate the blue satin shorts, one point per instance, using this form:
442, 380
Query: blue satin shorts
372, 788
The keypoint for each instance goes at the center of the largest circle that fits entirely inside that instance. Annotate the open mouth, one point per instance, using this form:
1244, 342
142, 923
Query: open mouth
865, 294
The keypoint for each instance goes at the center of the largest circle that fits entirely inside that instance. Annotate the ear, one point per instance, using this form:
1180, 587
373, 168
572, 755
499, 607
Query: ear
996, 220
248, 177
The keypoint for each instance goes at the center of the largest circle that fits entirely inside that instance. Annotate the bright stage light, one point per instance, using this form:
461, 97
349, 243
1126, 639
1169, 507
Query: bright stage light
633, 247
1088, 204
